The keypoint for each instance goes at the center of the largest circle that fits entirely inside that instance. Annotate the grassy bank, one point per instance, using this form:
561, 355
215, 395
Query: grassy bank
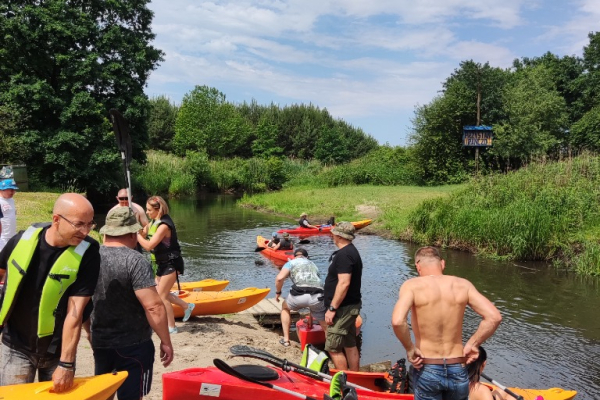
547, 211
37, 207
389, 206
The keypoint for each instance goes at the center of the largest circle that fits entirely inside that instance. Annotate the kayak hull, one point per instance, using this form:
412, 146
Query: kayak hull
315, 335
205, 285
324, 229
99, 387
206, 383
215, 303
277, 255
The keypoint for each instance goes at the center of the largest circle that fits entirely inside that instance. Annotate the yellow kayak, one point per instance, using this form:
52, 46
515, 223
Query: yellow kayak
99, 387
205, 285
547, 394
213, 303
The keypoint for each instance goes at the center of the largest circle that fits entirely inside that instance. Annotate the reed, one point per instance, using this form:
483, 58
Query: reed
540, 212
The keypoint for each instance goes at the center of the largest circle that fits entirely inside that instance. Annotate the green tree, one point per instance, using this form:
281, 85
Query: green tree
537, 118
266, 143
161, 123
63, 65
585, 133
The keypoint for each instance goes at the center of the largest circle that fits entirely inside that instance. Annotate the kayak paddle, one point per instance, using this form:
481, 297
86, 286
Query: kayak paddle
247, 351
121, 128
222, 365
507, 390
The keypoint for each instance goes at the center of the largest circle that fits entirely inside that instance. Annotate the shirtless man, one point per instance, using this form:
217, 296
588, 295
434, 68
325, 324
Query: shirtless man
438, 305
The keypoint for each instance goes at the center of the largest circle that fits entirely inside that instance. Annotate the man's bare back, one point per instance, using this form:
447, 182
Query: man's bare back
438, 305
437, 314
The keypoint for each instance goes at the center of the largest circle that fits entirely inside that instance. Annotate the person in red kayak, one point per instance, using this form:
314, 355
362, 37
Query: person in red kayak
304, 222
437, 303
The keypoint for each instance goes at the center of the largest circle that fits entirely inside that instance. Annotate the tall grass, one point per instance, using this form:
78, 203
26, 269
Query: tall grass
540, 212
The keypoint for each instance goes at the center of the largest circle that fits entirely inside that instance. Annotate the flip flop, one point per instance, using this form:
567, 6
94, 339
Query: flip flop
284, 343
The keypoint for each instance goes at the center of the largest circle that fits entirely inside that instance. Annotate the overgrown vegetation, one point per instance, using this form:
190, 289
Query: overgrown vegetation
545, 211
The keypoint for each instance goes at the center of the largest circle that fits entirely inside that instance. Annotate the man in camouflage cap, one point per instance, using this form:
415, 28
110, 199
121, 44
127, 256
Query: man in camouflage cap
343, 299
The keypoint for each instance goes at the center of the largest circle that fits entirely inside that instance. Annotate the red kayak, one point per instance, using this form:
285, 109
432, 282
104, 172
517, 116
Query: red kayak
323, 228
208, 383
280, 255
314, 334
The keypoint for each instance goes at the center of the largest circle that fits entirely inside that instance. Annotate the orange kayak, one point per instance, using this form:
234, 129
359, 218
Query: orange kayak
205, 285
214, 303
280, 255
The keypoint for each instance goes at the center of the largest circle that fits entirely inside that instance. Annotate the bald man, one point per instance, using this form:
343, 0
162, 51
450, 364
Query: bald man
140, 213
50, 272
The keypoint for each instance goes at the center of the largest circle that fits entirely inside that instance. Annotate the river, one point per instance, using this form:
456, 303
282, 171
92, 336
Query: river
549, 337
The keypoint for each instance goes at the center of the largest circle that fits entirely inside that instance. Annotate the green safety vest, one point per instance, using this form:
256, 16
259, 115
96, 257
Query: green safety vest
314, 359
151, 231
62, 274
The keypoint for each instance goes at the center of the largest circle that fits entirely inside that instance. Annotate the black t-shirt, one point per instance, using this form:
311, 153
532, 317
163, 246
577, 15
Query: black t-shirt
344, 261
20, 330
286, 244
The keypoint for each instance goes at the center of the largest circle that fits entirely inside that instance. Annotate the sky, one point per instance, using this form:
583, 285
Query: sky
368, 62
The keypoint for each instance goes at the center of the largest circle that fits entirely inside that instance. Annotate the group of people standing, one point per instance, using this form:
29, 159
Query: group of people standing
443, 366
54, 272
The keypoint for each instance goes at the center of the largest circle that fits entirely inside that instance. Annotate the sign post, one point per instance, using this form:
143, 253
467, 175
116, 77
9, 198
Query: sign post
477, 136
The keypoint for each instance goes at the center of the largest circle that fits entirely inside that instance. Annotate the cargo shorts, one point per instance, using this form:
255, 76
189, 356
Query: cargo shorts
343, 331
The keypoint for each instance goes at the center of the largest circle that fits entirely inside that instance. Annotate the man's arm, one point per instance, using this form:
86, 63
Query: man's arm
281, 277
491, 318
405, 302
156, 314
341, 290
63, 378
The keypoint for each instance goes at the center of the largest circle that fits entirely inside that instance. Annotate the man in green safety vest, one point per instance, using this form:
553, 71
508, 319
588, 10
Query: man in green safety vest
50, 272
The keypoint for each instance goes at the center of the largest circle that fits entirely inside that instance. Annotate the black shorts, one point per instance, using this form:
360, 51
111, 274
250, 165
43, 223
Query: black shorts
137, 360
170, 266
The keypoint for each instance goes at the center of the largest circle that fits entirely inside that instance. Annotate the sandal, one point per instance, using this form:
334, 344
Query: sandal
284, 343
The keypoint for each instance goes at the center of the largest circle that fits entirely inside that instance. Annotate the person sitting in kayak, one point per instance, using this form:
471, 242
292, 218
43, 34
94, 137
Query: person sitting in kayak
274, 240
477, 391
330, 222
304, 222
284, 243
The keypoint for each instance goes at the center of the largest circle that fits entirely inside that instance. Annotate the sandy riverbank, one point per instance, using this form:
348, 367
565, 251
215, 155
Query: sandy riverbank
202, 339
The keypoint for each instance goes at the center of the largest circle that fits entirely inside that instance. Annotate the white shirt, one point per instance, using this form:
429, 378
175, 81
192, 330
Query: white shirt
9, 222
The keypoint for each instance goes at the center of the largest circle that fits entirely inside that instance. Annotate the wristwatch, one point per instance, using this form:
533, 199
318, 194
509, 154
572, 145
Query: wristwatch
331, 308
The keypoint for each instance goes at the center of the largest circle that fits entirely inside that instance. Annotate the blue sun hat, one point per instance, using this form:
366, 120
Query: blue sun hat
274, 234
8, 184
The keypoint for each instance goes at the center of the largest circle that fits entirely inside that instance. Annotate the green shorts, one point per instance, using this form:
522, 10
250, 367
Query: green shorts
343, 331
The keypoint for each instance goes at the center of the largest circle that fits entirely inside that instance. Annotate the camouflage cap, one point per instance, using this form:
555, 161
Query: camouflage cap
120, 221
286, 234
344, 229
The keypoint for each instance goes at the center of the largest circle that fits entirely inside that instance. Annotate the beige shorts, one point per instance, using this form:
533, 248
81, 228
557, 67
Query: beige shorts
314, 302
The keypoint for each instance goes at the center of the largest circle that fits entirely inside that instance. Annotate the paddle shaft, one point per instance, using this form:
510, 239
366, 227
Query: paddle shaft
121, 129
283, 364
507, 390
221, 365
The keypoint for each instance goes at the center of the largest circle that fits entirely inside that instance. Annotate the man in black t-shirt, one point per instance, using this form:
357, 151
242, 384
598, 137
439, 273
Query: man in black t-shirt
45, 294
343, 299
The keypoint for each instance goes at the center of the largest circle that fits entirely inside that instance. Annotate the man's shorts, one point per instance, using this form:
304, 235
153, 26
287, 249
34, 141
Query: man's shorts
313, 301
137, 360
343, 331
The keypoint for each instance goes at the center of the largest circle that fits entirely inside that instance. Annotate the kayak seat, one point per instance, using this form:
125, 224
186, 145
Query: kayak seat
257, 372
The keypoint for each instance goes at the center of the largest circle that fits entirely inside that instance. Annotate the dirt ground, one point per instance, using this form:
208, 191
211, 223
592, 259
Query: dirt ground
202, 339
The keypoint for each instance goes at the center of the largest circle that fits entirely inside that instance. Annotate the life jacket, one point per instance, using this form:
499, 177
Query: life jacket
162, 253
285, 244
301, 222
314, 359
62, 274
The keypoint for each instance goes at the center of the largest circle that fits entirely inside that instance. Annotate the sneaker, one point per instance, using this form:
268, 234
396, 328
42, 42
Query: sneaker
172, 330
188, 312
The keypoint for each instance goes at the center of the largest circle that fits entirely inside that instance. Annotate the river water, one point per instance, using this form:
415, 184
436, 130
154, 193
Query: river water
549, 337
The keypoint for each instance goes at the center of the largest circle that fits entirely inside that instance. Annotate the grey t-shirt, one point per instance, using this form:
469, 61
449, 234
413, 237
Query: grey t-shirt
118, 319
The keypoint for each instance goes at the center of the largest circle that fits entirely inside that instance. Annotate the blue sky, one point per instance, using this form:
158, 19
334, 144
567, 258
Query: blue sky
369, 62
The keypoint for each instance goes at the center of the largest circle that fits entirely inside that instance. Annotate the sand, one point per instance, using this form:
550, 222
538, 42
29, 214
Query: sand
202, 339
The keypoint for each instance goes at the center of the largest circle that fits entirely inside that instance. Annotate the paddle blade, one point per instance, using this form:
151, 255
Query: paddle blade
304, 241
121, 128
258, 248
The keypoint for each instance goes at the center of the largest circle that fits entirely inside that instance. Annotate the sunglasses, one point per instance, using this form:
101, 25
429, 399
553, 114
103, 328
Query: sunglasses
123, 198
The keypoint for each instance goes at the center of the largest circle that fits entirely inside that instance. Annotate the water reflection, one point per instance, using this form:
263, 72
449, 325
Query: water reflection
549, 337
